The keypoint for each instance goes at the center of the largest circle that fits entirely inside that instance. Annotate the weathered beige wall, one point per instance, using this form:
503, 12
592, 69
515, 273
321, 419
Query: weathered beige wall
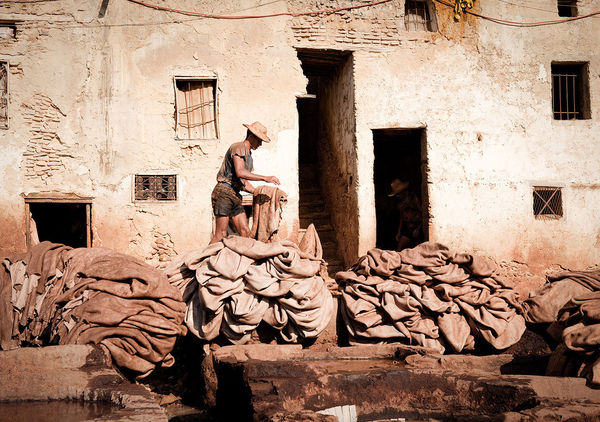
92, 104
338, 157
482, 91
491, 137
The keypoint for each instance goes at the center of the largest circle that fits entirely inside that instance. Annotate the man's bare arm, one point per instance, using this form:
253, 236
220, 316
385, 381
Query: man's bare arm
242, 173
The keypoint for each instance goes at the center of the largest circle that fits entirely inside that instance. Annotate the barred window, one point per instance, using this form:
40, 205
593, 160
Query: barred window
567, 8
417, 16
547, 202
570, 91
3, 95
155, 187
195, 103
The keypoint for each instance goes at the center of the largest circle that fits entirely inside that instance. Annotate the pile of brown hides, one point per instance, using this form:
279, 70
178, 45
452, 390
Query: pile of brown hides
571, 302
58, 295
429, 296
233, 285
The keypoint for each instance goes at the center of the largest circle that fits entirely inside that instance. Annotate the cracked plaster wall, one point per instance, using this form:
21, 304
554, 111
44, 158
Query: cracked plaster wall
93, 104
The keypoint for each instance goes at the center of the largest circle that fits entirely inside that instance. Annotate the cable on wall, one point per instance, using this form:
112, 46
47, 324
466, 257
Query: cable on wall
521, 24
271, 15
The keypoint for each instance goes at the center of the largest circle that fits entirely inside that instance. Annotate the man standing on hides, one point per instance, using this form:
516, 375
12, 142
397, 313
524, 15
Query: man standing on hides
235, 175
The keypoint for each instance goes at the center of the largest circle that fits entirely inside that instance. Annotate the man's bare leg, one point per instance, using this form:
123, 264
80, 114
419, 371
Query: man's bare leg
240, 222
221, 223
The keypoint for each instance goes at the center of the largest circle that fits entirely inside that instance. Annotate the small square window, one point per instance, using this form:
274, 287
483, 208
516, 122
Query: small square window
8, 30
3, 95
196, 111
547, 202
567, 8
417, 16
155, 187
570, 91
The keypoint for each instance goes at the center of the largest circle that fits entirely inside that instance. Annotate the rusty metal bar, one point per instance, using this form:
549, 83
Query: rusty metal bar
566, 100
547, 202
156, 187
103, 7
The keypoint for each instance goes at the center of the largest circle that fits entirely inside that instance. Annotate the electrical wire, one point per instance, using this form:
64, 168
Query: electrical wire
553, 11
522, 24
271, 15
528, 7
26, 1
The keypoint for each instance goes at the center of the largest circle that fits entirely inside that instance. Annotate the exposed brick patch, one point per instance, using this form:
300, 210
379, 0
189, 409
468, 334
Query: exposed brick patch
380, 25
45, 153
163, 250
373, 31
521, 276
16, 69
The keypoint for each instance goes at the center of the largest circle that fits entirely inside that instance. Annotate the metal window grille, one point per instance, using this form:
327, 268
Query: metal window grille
156, 187
196, 109
547, 202
567, 92
567, 8
3, 95
416, 16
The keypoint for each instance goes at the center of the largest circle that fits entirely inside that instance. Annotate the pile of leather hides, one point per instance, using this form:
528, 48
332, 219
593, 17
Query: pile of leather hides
571, 302
429, 296
54, 294
231, 286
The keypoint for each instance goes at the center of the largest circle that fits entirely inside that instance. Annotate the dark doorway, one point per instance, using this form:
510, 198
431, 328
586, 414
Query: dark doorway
324, 70
66, 223
308, 114
400, 194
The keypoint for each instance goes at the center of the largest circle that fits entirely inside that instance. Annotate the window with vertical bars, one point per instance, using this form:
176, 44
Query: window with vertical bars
570, 91
567, 8
196, 111
3, 95
547, 202
155, 187
417, 16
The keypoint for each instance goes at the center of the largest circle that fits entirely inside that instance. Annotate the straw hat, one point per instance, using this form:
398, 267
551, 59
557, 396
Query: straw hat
258, 129
397, 187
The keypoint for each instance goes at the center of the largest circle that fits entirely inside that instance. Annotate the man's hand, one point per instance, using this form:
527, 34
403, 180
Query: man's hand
272, 179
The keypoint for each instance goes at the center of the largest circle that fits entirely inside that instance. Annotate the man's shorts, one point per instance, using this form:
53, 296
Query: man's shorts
226, 202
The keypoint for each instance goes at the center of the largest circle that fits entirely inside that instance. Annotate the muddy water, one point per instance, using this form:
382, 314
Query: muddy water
59, 410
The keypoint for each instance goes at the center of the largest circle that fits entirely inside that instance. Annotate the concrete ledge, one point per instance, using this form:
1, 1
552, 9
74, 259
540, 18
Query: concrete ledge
74, 372
272, 352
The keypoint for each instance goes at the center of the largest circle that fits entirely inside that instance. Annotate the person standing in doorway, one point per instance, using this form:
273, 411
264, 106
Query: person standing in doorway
409, 217
235, 175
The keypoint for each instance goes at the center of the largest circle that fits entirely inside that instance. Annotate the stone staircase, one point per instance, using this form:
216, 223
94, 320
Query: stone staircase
312, 209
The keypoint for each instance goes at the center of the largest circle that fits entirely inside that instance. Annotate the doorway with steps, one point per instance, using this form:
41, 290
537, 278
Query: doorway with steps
312, 207
321, 67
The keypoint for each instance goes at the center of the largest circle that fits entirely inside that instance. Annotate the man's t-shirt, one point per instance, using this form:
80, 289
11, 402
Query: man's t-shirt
227, 171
